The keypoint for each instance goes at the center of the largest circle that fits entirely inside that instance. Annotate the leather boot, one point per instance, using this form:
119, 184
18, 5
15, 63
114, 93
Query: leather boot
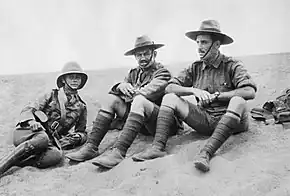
109, 160
22, 151
150, 153
87, 152
202, 161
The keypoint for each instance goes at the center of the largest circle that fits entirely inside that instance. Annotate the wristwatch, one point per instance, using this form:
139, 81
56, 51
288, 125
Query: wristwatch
216, 95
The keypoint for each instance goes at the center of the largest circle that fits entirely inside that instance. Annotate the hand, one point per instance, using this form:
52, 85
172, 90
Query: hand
35, 126
74, 137
70, 141
204, 97
127, 89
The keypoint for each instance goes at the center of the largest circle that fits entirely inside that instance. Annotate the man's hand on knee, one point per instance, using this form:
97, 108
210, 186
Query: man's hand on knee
127, 89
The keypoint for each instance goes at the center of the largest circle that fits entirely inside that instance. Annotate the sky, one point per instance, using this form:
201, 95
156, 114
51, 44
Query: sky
42, 35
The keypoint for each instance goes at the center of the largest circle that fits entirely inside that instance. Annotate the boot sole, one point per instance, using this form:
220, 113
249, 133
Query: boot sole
200, 166
136, 159
76, 160
80, 160
102, 165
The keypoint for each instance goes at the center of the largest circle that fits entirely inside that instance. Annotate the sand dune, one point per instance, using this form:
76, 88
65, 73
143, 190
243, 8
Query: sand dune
252, 163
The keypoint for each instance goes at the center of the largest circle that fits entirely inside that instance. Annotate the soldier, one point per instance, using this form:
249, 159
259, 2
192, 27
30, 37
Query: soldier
221, 86
136, 100
44, 128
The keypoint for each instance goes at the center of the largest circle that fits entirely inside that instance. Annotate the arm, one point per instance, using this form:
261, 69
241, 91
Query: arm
156, 86
127, 80
39, 104
182, 85
246, 92
243, 82
179, 90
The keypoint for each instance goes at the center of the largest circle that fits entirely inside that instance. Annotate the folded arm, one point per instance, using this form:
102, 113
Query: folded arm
156, 86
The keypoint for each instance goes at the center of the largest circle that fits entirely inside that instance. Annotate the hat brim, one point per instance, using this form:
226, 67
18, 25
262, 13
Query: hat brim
154, 46
225, 39
84, 77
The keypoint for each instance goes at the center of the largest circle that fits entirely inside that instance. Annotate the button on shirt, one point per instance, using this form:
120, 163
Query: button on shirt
225, 74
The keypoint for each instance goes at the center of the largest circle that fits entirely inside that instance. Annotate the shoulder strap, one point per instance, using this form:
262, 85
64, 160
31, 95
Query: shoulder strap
62, 99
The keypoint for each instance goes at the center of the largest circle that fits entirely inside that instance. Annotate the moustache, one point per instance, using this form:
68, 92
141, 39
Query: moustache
201, 51
144, 61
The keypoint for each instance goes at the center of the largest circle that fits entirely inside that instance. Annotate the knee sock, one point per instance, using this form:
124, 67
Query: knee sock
165, 120
131, 128
100, 127
222, 132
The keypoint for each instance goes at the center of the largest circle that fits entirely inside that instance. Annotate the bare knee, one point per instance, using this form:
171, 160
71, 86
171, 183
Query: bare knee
112, 99
237, 104
170, 100
141, 105
139, 101
113, 103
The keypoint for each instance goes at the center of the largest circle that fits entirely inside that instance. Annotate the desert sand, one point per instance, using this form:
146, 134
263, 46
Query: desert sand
253, 163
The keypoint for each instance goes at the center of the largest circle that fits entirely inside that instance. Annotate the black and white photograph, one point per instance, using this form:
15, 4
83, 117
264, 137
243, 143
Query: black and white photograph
144, 97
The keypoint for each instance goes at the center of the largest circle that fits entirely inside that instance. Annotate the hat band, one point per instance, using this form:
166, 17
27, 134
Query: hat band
144, 44
210, 29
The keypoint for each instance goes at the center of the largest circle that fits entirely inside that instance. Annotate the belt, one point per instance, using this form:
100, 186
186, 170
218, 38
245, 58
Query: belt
55, 127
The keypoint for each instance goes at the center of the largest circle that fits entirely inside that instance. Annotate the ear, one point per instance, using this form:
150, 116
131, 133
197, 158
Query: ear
217, 44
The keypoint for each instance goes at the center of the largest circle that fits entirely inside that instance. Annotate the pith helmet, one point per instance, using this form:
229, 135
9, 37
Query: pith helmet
72, 68
143, 42
210, 27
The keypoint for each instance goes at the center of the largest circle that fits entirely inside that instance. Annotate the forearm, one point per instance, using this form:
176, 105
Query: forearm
246, 92
153, 89
179, 90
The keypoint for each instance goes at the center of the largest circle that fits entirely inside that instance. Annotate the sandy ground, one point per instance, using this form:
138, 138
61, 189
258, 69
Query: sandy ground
252, 163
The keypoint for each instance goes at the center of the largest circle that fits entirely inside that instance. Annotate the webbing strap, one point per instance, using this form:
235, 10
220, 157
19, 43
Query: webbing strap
62, 99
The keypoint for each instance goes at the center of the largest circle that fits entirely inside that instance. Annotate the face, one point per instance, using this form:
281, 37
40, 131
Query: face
73, 80
204, 43
145, 57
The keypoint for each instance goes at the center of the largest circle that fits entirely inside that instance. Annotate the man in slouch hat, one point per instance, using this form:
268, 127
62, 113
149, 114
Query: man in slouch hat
220, 85
136, 100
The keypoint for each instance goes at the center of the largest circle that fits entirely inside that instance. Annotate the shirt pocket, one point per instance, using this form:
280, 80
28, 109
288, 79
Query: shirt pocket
225, 86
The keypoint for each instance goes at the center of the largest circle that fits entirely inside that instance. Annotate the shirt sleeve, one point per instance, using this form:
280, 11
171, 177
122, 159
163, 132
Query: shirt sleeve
156, 86
241, 77
184, 78
127, 79
39, 104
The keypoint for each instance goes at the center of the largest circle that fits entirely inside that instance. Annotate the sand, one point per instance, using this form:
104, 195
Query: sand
253, 163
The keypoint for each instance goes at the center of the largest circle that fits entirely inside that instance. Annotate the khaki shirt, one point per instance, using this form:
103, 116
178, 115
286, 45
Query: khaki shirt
225, 74
150, 83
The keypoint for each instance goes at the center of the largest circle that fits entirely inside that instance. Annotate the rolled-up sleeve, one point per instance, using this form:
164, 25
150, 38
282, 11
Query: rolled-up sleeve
157, 85
184, 78
241, 77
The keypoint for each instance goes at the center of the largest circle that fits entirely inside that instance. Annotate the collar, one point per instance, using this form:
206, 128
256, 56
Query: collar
68, 91
216, 63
